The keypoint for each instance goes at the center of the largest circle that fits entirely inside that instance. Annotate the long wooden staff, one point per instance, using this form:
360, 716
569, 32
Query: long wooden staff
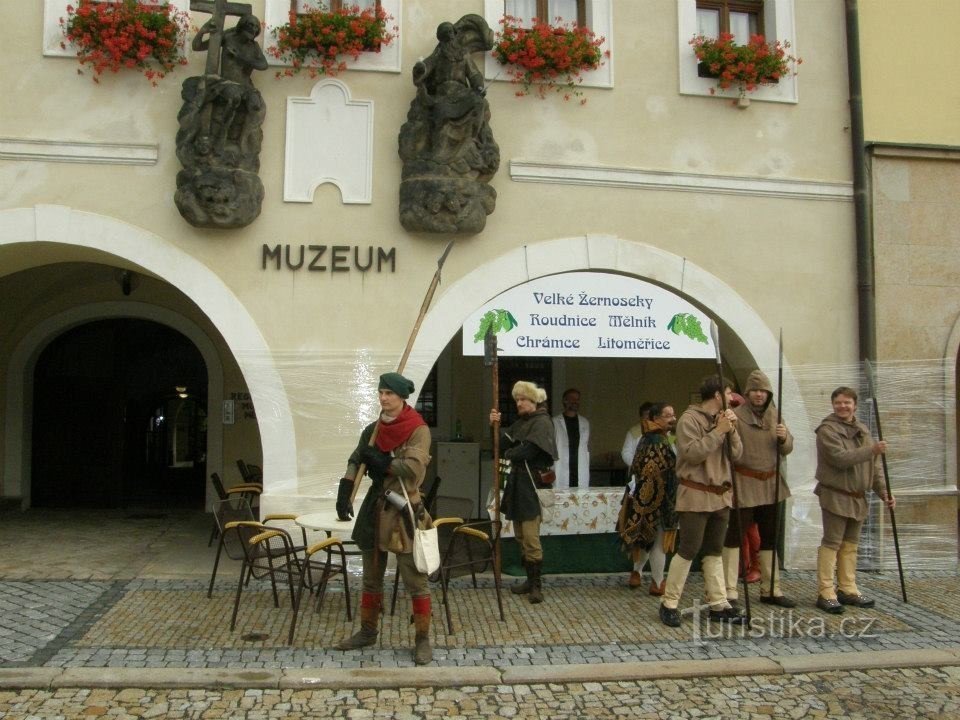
871, 383
776, 492
490, 358
428, 298
728, 449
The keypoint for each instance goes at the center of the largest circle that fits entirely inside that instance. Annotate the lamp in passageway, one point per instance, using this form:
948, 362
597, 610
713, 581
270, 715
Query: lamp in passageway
182, 391
128, 281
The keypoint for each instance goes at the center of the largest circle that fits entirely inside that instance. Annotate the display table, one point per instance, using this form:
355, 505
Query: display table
581, 537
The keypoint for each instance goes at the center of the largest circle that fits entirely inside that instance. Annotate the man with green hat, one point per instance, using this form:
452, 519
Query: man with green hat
396, 461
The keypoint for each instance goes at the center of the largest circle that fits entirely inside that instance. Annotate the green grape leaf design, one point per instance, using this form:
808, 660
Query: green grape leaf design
496, 321
687, 324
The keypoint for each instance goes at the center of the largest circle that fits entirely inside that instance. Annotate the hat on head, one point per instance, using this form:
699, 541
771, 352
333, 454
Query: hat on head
528, 390
397, 383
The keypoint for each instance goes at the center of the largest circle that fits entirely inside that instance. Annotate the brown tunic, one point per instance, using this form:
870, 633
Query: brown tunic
701, 458
846, 464
759, 438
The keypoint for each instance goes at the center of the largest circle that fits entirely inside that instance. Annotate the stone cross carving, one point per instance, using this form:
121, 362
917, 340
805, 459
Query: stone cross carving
220, 133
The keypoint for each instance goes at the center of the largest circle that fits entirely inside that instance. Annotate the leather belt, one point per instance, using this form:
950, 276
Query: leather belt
755, 474
712, 489
848, 493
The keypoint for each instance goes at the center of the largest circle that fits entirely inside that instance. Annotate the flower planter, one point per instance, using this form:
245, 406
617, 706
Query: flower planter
547, 57
317, 41
126, 35
743, 66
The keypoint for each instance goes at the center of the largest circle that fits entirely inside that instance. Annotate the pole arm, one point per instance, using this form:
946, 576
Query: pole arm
424, 306
871, 384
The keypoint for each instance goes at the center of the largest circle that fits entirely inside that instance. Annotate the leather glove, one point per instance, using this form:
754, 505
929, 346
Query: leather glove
376, 460
344, 506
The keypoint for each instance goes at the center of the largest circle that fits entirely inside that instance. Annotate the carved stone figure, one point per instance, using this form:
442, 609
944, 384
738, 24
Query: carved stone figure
221, 122
447, 147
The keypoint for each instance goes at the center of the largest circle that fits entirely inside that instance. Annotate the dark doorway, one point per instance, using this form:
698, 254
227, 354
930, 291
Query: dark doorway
119, 418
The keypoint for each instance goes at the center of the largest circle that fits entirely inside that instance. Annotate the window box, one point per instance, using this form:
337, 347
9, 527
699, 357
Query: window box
277, 14
598, 16
778, 22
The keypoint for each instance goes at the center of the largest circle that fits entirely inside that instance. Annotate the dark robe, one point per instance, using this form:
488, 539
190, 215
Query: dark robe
650, 506
529, 442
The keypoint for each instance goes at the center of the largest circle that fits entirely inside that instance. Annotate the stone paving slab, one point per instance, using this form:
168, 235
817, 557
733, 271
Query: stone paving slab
871, 694
640, 671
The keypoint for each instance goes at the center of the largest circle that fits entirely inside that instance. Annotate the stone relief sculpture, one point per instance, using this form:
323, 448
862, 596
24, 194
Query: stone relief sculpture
446, 145
221, 121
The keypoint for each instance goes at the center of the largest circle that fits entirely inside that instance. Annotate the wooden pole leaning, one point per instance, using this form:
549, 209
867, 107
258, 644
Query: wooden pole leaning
776, 491
424, 306
728, 450
490, 358
871, 383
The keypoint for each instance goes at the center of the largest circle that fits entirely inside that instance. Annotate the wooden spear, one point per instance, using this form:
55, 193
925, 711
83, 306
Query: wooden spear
776, 491
428, 298
728, 449
871, 384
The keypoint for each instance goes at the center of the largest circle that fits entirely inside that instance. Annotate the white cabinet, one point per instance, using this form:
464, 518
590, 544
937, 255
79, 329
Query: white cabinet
458, 466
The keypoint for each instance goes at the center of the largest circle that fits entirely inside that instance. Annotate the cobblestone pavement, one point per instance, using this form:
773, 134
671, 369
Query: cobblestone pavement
116, 596
869, 694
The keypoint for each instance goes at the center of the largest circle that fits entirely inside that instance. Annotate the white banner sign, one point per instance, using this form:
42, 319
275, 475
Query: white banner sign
588, 314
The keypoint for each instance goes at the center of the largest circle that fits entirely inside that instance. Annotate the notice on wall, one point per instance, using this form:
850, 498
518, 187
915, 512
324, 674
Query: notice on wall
587, 314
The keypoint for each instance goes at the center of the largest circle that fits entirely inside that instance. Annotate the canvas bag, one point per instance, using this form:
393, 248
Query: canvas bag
426, 543
546, 498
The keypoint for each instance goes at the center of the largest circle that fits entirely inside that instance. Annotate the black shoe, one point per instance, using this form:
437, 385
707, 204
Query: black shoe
780, 600
855, 600
735, 603
730, 615
669, 616
831, 606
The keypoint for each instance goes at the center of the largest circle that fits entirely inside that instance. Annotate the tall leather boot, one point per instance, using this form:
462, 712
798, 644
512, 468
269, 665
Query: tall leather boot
768, 571
522, 588
731, 572
676, 579
422, 652
713, 585
847, 592
826, 594
536, 583
370, 604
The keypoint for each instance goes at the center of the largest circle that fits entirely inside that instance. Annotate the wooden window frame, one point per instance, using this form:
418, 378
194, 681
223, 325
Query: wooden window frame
543, 12
725, 7
332, 5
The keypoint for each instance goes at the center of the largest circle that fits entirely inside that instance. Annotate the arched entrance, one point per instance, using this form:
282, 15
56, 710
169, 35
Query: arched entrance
119, 418
51, 225
746, 339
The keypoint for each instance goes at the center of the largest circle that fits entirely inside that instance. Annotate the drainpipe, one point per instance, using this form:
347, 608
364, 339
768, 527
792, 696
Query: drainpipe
866, 294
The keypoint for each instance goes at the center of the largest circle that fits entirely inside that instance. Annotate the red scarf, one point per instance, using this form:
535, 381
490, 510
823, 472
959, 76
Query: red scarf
394, 434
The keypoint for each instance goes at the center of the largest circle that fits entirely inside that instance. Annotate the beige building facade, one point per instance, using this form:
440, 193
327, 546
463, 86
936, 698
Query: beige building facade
746, 213
912, 132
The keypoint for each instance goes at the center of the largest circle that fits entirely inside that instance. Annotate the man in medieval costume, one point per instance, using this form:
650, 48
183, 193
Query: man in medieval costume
647, 520
757, 493
530, 449
396, 462
704, 499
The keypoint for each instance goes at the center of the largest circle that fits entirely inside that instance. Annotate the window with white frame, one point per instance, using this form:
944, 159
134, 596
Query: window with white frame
597, 15
277, 13
564, 11
740, 18
54, 10
774, 19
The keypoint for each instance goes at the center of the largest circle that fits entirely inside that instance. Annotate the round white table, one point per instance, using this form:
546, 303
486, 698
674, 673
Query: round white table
328, 522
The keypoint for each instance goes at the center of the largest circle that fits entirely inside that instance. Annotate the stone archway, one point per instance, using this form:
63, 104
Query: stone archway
69, 227
612, 254
19, 391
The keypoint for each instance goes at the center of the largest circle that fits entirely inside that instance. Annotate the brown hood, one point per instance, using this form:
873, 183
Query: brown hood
757, 380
